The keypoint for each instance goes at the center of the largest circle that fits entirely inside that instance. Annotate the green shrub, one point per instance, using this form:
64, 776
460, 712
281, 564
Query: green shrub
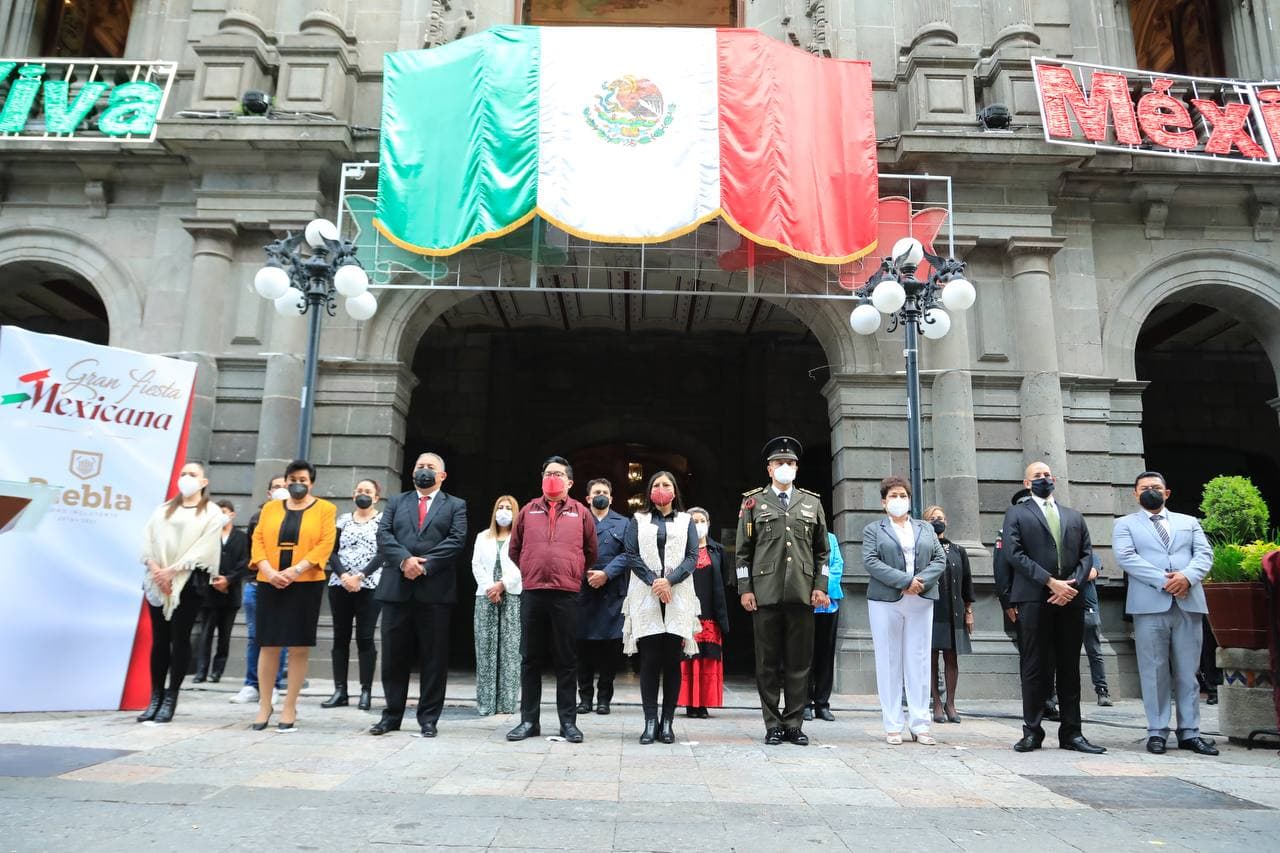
1234, 511
1227, 559
1251, 563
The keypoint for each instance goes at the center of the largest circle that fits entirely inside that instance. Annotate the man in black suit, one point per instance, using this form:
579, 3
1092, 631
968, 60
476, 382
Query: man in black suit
1048, 549
421, 534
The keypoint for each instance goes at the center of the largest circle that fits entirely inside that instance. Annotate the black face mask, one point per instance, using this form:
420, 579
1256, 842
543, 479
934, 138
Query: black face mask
939, 527
298, 491
364, 501
600, 501
424, 478
1151, 499
1042, 487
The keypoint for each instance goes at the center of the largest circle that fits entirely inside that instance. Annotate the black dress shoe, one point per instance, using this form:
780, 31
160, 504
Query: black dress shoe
808, 713
1198, 745
198, 678
338, 699
1051, 713
523, 731
584, 707
1155, 745
1028, 743
428, 729
149, 713
1212, 698
164, 714
366, 699
703, 714
825, 714
570, 732
797, 737
773, 737
1079, 744
383, 726
650, 732
215, 676
603, 709
666, 734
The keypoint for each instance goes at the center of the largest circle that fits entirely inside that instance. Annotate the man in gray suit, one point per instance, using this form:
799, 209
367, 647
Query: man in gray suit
1166, 556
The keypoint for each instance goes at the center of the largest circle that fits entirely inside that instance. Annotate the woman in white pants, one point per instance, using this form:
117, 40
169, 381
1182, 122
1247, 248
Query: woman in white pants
904, 559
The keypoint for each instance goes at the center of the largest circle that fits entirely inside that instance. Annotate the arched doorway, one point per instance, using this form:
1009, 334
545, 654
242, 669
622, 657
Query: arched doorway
619, 384
50, 299
1211, 405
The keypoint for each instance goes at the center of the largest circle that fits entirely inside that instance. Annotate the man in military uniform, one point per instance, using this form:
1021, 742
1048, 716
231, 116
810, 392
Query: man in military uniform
782, 576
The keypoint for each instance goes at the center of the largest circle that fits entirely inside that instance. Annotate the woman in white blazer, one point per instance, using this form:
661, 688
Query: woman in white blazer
904, 560
497, 614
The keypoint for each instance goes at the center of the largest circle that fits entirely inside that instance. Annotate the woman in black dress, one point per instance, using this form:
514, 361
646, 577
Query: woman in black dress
952, 618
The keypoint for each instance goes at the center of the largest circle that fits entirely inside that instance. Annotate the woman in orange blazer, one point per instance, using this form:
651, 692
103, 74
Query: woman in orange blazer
291, 546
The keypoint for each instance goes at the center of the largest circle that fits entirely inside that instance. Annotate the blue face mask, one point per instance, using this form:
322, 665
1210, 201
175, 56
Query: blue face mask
1042, 487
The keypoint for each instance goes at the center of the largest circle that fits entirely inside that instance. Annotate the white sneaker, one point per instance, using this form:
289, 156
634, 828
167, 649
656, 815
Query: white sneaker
247, 694
275, 697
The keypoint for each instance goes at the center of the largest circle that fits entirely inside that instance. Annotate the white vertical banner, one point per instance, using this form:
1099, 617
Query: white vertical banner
103, 425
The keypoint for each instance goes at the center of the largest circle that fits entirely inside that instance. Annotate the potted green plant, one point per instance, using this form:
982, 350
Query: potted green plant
1235, 518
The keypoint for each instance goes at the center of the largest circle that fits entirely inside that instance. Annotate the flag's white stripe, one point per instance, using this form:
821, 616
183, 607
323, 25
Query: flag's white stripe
628, 188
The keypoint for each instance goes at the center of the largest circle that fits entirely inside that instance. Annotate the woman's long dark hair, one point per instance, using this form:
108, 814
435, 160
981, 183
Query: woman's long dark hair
676, 503
174, 502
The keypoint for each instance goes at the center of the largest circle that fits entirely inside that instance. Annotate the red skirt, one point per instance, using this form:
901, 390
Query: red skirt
702, 677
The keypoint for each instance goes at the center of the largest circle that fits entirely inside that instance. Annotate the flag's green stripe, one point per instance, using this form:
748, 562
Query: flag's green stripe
460, 139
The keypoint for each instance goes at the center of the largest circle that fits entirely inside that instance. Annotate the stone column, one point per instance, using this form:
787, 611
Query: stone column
930, 23
202, 338
955, 455
18, 26
281, 411
1043, 431
1011, 21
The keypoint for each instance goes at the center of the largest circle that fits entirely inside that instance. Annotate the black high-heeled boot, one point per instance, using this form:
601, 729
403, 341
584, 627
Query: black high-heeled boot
339, 698
665, 732
366, 699
167, 706
650, 730
150, 713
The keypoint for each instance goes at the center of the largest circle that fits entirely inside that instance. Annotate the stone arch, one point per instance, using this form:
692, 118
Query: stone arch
1239, 284
120, 294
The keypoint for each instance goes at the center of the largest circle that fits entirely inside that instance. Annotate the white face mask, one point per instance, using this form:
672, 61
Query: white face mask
189, 485
785, 474
503, 517
280, 494
898, 507
703, 530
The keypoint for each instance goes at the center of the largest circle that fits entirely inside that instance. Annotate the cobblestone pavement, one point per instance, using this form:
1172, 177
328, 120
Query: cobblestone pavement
101, 782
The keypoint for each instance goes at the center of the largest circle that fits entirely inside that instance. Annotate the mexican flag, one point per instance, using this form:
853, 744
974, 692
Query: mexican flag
627, 135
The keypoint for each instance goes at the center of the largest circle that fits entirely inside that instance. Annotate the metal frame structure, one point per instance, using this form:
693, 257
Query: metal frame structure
161, 73
542, 257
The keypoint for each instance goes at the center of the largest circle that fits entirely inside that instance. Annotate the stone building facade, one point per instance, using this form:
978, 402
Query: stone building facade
1127, 303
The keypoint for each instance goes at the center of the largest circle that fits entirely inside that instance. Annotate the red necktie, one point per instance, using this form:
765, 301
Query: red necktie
423, 502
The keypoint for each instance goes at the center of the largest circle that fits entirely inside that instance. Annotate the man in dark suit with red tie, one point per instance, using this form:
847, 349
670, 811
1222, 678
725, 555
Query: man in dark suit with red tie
420, 536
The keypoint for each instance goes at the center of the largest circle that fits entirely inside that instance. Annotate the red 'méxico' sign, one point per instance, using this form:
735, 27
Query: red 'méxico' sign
1144, 112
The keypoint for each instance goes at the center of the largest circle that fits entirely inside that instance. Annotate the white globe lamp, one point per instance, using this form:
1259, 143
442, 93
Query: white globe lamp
888, 296
361, 307
319, 230
290, 303
865, 319
351, 280
271, 282
935, 324
908, 252
958, 294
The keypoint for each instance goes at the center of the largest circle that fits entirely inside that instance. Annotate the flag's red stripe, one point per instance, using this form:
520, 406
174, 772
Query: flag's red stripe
137, 682
34, 376
797, 146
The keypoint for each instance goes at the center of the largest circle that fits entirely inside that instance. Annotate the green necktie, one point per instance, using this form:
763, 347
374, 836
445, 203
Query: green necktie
1055, 525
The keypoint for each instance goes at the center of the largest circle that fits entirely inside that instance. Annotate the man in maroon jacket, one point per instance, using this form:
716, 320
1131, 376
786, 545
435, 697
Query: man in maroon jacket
553, 541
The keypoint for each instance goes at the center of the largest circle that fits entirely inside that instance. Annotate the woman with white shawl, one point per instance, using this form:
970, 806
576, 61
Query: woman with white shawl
182, 548
660, 613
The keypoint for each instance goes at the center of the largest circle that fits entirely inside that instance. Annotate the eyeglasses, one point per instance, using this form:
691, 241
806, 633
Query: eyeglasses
559, 475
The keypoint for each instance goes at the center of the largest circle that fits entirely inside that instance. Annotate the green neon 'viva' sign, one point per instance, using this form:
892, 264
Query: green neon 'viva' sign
130, 109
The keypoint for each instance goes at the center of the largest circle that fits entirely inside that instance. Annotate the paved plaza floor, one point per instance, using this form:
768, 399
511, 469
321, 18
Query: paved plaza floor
101, 782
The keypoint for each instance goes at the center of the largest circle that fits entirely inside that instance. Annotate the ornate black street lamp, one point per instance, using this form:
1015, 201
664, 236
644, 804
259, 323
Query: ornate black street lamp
301, 283
917, 306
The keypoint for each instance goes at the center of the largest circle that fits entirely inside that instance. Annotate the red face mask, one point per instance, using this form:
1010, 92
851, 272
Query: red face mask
661, 495
553, 487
